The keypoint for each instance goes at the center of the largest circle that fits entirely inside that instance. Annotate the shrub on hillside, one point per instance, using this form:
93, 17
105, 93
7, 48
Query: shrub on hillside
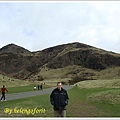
64, 83
77, 78
40, 78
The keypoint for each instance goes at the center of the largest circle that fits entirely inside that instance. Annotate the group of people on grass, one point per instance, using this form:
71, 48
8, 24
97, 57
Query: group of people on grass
58, 98
40, 87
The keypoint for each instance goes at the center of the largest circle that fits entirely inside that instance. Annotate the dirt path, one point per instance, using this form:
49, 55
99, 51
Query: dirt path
14, 96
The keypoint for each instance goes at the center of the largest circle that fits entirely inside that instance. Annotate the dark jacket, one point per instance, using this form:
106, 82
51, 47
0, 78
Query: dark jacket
59, 99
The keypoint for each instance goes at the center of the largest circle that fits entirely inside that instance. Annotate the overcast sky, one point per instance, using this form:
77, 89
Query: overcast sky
39, 25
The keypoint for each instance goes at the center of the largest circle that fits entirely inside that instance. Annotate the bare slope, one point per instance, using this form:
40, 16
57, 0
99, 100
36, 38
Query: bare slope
20, 63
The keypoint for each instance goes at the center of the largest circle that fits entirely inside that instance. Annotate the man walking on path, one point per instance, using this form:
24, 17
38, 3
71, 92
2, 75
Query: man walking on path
34, 87
41, 87
59, 100
3, 89
38, 87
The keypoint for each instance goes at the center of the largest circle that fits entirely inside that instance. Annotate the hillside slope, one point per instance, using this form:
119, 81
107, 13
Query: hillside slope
20, 63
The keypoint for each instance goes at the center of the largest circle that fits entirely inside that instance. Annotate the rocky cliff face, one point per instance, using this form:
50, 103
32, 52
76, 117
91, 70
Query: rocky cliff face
88, 58
20, 63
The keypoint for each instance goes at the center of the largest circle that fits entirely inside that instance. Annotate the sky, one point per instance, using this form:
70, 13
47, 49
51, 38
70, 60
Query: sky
40, 25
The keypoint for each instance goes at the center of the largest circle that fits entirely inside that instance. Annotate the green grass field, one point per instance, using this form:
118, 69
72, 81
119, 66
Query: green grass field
24, 88
16, 85
84, 101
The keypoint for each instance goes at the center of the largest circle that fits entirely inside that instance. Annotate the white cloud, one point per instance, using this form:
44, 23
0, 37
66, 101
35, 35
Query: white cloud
39, 25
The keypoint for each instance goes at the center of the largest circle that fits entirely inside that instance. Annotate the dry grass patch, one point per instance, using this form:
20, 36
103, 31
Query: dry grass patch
11, 82
111, 96
115, 83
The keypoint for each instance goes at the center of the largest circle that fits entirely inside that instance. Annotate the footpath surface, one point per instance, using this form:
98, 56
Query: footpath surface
14, 96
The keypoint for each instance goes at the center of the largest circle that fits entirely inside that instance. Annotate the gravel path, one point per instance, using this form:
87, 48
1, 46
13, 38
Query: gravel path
14, 96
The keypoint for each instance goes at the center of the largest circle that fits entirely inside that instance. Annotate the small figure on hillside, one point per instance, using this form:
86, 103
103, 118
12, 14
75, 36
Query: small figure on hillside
3, 90
38, 87
34, 87
41, 87
59, 100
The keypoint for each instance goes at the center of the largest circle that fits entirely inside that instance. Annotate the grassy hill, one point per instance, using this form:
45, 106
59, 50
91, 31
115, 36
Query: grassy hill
12, 82
64, 62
